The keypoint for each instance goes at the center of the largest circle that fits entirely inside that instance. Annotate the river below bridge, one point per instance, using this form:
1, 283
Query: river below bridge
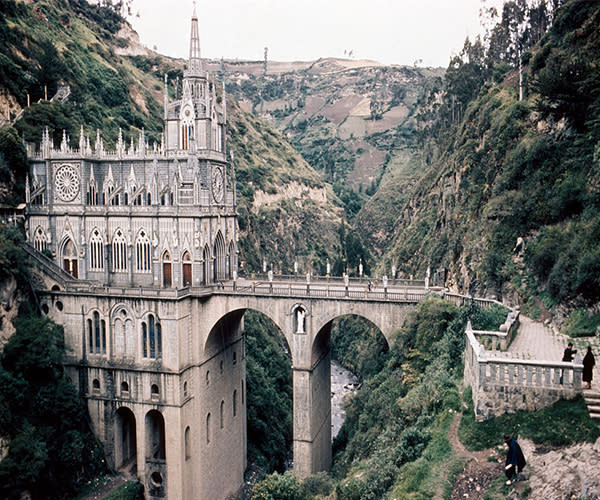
343, 382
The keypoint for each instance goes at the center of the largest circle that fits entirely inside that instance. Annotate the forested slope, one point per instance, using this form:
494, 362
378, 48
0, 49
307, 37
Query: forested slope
496, 168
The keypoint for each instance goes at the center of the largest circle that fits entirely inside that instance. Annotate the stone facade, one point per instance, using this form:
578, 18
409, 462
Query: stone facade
134, 227
142, 216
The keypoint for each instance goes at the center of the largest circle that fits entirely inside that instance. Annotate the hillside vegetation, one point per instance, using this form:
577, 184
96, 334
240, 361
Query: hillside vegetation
496, 168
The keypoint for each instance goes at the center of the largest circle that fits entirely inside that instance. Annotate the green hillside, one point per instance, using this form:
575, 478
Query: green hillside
508, 168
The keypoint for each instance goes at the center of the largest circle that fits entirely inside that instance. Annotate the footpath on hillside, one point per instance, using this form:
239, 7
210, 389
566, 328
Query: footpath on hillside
552, 473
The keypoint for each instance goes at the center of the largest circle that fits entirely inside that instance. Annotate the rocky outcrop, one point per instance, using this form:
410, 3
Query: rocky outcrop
9, 307
571, 472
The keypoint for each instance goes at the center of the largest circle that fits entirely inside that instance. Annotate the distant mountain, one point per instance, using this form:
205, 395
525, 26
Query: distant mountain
349, 119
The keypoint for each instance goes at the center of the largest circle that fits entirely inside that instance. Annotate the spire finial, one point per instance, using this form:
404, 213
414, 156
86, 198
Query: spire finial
195, 63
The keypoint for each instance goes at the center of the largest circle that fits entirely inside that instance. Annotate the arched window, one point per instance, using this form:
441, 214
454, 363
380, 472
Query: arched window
219, 253
96, 251
167, 270
231, 259
208, 428
124, 389
119, 252
39, 240
234, 403
187, 269
222, 414
206, 265
188, 444
92, 193
142, 252
151, 338
70, 261
96, 334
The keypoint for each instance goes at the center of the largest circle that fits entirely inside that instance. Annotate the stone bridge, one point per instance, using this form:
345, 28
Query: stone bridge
163, 369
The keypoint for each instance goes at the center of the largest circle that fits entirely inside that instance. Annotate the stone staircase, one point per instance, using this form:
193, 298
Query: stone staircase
592, 399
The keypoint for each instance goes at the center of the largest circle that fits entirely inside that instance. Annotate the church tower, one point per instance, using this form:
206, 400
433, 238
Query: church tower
195, 121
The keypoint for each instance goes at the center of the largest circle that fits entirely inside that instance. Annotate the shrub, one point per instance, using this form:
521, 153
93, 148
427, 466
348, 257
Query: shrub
277, 487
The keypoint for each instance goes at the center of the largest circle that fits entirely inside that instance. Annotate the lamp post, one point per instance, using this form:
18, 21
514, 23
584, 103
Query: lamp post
360, 269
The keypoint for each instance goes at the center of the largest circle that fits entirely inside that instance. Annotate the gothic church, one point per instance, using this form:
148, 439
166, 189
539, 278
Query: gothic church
137, 238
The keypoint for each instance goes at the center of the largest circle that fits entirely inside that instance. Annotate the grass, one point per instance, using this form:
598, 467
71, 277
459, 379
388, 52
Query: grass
564, 423
131, 490
582, 324
434, 471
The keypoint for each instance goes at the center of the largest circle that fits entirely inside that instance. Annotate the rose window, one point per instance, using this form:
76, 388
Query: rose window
67, 182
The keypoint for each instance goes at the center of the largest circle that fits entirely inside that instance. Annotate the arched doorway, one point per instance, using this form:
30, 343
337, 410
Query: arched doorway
125, 441
187, 269
70, 261
167, 270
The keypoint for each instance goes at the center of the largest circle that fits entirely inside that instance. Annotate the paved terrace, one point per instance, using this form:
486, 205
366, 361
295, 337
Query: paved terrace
536, 341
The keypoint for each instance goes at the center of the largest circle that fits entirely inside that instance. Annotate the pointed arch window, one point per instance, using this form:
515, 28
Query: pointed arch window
219, 253
92, 193
151, 337
231, 260
96, 334
119, 252
70, 261
39, 240
143, 257
206, 265
96, 251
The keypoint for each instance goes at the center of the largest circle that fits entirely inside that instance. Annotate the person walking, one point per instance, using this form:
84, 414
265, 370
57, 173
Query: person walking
515, 460
588, 367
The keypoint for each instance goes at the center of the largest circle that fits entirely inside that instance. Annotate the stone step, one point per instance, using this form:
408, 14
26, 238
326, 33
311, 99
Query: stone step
593, 408
595, 416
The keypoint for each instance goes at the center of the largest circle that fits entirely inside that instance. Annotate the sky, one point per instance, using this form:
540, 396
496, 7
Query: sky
387, 31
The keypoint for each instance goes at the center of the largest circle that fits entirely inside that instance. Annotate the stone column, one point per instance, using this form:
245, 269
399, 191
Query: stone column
312, 418
312, 399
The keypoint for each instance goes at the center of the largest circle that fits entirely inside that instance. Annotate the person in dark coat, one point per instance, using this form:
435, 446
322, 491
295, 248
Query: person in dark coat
515, 460
567, 357
588, 367
569, 353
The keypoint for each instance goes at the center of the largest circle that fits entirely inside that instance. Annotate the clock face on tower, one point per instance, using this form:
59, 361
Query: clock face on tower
66, 182
217, 184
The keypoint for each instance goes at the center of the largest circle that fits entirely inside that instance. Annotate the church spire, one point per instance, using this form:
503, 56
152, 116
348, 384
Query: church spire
195, 64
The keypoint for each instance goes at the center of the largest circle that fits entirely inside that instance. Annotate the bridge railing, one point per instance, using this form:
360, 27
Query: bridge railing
322, 290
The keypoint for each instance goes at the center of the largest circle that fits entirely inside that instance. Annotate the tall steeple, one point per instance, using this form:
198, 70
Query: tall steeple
195, 64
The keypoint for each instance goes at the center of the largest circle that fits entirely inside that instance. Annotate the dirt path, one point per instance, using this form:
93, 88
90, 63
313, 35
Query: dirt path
479, 473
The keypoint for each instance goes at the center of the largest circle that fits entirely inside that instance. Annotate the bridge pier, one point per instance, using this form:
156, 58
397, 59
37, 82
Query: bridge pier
312, 417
